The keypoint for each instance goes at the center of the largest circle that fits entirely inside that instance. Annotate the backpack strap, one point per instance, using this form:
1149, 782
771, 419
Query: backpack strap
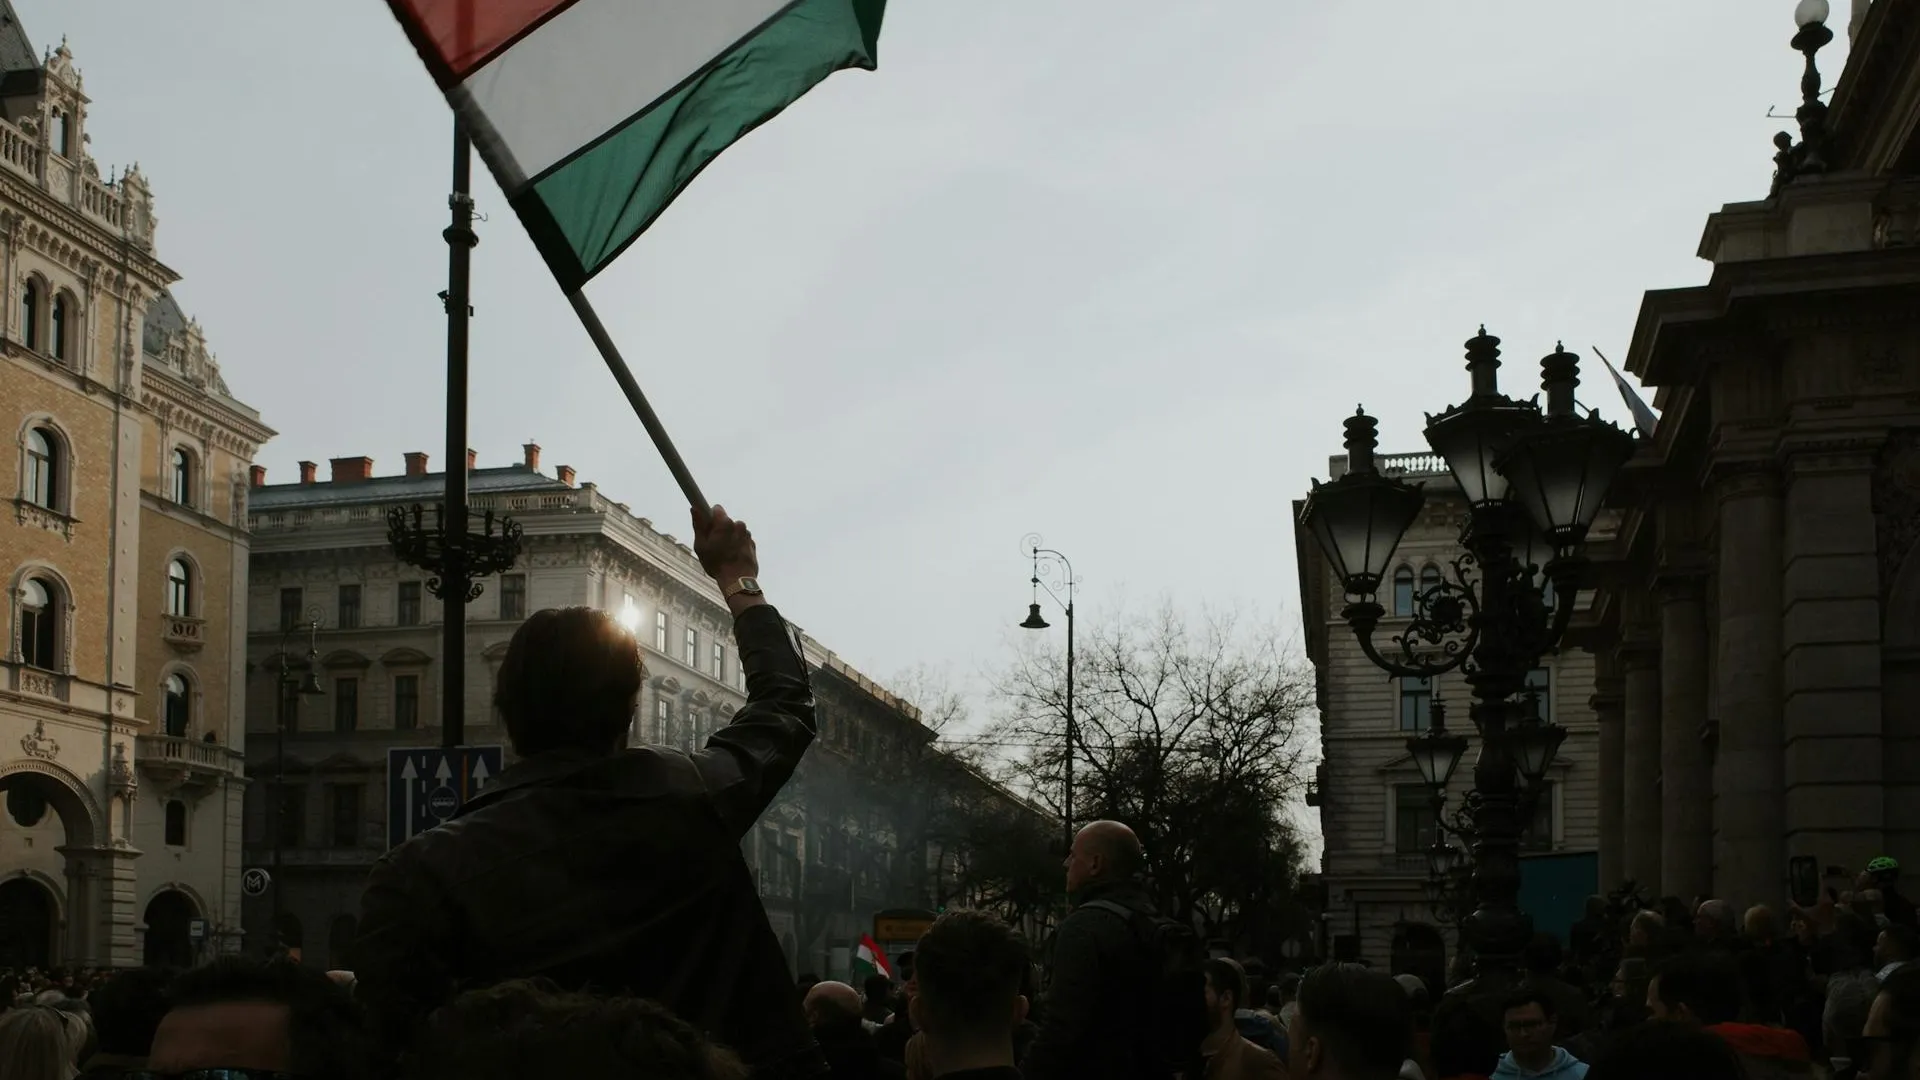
1121, 910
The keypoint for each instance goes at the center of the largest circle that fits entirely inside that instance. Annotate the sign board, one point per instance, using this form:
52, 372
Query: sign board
255, 882
899, 928
427, 785
197, 929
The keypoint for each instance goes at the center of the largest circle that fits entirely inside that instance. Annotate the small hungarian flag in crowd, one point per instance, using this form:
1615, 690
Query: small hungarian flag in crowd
869, 959
594, 114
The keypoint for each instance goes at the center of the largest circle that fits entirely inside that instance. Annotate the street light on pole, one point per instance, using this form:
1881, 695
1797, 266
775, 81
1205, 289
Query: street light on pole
1054, 560
1534, 478
291, 691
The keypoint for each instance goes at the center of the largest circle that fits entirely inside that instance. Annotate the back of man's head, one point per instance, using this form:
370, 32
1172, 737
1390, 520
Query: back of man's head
570, 679
877, 989
326, 1034
968, 971
1352, 1023
527, 1028
1227, 979
1543, 955
1903, 943
830, 1003
1705, 985
127, 1009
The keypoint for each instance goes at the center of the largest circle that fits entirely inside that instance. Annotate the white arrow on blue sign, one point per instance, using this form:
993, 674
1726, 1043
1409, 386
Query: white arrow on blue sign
427, 785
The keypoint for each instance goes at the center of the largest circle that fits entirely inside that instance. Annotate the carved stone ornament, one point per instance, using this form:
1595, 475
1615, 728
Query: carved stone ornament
125, 783
38, 744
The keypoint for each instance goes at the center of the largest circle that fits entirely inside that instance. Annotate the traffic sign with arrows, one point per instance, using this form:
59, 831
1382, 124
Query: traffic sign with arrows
427, 785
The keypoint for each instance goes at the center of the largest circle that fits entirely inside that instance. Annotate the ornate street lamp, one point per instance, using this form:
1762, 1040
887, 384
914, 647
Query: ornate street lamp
1809, 156
1533, 479
1051, 560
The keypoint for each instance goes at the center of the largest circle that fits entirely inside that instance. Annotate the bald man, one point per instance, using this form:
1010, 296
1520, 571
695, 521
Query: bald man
834, 1011
1098, 1018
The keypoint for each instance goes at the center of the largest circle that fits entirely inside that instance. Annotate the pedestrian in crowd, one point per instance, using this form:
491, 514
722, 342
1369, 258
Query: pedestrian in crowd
1352, 1024
877, 990
1097, 1021
1890, 1044
833, 1012
1420, 1011
1883, 874
1664, 1050
527, 1028
969, 1003
1844, 967
37, 1043
506, 889
1227, 1053
899, 1030
1715, 925
1283, 997
1703, 988
126, 1011
240, 1013
1543, 959
1528, 1019
1895, 948
1254, 1025
1646, 934
1464, 1044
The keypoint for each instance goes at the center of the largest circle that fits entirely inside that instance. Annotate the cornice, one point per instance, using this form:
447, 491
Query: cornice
109, 247
166, 393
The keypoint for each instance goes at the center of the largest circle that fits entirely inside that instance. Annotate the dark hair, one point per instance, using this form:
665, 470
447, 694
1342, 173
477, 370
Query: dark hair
1708, 984
1227, 977
1666, 1051
127, 1009
1289, 985
1362, 1017
969, 969
570, 679
1903, 937
529, 1027
79, 1007
326, 1034
1543, 954
877, 987
1529, 994
1464, 1042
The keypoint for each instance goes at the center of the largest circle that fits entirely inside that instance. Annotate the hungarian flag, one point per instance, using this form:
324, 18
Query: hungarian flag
870, 959
594, 114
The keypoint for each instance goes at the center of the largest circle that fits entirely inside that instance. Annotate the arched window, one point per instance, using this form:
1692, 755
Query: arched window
30, 315
182, 477
59, 325
39, 625
1403, 591
178, 706
44, 465
62, 135
1429, 577
176, 823
179, 588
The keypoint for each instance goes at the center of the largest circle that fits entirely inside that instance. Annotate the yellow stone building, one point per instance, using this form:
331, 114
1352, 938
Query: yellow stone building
122, 554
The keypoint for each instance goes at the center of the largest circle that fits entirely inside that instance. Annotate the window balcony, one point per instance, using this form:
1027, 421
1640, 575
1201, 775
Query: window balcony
33, 514
183, 632
185, 764
39, 682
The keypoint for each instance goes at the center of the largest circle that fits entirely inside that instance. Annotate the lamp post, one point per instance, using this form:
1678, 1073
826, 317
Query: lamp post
1048, 557
1809, 156
1534, 478
291, 691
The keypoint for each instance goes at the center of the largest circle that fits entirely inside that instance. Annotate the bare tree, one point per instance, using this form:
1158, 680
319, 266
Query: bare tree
1195, 735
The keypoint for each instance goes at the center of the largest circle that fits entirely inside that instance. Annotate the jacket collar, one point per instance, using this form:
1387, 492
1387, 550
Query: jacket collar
1130, 893
537, 770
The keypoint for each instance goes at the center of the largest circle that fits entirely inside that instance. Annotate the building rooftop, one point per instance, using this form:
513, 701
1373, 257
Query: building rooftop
16, 52
425, 487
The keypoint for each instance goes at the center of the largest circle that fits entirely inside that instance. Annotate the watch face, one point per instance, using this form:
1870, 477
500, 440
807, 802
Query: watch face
750, 585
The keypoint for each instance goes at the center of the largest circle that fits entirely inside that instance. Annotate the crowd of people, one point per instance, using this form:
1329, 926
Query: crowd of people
591, 915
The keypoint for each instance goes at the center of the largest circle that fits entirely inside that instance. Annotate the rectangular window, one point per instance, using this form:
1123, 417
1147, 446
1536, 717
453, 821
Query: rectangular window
290, 817
409, 612
349, 607
1539, 834
1416, 703
346, 704
290, 602
287, 703
344, 813
513, 596
660, 721
406, 702
719, 661
1537, 698
1413, 820
659, 629
692, 652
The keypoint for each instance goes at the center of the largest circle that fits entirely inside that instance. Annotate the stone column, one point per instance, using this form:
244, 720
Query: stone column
1686, 793
1830, 631
1609, 709
1640, 760
1749, 817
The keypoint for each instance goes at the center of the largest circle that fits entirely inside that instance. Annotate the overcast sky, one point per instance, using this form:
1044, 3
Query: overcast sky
1108, 270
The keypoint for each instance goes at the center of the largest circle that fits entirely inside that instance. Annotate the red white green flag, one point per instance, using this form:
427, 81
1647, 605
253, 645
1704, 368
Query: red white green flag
593, 115
870, 959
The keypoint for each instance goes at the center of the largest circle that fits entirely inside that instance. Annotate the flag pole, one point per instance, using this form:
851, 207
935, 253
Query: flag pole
621, 374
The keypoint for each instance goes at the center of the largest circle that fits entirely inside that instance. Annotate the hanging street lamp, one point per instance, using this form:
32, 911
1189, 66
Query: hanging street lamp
1049, 560
1534, 477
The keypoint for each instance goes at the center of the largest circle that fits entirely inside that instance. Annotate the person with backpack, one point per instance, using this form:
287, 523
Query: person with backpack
1127, 997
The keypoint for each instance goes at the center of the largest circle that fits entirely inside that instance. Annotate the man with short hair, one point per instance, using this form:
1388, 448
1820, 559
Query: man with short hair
1893, 1030
239, 1013
1228, 1054
600, 867
1528, 1018
1351, 1024
878, 991
968, 1000
1704, 989
127, 1009
1895, 948
833, 1012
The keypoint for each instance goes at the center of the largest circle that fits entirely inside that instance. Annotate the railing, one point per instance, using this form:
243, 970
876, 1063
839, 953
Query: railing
19, 152
193, 753
1411, 464
23, 154
184, 630
102, 202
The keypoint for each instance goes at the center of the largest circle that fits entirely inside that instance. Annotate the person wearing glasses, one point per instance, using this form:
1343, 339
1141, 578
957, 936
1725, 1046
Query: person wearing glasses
1528, 1019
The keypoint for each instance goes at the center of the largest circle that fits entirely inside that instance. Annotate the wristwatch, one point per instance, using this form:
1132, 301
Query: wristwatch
745, 586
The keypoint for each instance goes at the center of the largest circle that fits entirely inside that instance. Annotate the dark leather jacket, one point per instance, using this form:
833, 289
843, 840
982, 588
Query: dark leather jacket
1095, 1023
620, 875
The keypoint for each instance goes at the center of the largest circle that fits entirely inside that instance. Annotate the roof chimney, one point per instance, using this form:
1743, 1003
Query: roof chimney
348, 470
416, 464
472, 456
533, 456
257, 476
307, 469
565, 474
